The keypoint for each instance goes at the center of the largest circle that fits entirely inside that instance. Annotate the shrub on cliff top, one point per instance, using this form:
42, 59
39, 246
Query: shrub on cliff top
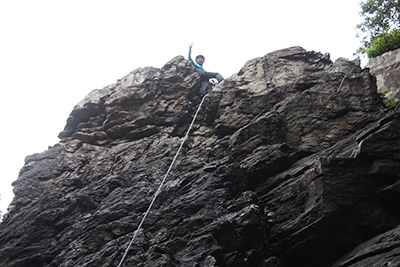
384, 44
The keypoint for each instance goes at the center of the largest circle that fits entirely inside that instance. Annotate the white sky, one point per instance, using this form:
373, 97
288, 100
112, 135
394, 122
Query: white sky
53, 53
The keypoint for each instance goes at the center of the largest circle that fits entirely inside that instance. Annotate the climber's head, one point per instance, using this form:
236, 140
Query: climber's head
200, 59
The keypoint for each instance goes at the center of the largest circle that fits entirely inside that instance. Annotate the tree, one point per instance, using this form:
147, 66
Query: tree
380, 18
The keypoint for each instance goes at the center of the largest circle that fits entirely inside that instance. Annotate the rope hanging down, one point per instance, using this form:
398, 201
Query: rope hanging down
341, 83
162, 182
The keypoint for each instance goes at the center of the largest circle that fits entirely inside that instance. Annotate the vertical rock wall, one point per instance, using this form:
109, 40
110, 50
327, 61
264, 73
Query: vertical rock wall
291, 162
386, 68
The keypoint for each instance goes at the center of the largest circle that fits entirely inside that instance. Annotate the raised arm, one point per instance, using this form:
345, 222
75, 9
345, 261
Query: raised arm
195, 64
190, 54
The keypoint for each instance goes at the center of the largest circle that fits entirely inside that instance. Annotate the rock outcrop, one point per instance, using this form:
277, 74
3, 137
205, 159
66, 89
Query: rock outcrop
386, 69
293, 161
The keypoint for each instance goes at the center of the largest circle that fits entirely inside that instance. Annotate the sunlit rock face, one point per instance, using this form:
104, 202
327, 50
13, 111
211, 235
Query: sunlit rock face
292, 161
386, 69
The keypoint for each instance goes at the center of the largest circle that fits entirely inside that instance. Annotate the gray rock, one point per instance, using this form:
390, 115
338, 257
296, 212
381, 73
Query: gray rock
386, 69
293, 161
382, 250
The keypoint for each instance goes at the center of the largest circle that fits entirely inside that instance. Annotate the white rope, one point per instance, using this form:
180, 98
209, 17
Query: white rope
162, 182
341, 83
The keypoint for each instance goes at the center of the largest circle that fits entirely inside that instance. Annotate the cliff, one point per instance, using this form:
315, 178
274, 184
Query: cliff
293, 161
386, 69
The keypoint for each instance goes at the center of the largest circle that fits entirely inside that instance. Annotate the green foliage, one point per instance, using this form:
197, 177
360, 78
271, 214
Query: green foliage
380, 18
390, 102
381, 45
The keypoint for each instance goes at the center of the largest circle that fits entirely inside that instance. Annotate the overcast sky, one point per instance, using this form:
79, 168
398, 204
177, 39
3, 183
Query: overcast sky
53, 53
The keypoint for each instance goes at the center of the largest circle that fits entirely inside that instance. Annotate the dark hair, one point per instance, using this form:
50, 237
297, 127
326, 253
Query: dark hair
200, 56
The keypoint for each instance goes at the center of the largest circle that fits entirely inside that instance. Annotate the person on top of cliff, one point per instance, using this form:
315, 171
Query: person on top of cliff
204, 75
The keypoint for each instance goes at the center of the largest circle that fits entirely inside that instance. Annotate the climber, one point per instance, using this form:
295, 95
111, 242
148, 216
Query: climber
205, 76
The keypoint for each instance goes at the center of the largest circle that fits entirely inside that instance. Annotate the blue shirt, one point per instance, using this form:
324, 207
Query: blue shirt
199, 68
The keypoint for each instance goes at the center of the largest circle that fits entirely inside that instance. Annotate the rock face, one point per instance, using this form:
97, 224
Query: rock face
386, 68
293, 161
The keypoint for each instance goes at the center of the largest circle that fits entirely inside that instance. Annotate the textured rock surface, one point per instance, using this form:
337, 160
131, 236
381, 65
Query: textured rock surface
386, 68
291, 162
